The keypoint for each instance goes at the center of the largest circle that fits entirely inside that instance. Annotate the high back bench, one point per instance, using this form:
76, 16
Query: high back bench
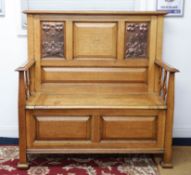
95, 83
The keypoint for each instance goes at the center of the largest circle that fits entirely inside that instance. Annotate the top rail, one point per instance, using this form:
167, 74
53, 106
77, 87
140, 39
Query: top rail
95, 12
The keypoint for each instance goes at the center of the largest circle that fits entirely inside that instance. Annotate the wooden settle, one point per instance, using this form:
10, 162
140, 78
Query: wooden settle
95, 83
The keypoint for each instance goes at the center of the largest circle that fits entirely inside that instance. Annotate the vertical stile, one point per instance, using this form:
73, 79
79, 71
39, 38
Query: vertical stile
37, 41
69, 39
28, 82
160, 21
152, 53
30, 34
96, 128
121, 39
22, 124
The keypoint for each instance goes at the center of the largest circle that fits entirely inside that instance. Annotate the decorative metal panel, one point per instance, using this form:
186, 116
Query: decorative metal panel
52, 44
136, 40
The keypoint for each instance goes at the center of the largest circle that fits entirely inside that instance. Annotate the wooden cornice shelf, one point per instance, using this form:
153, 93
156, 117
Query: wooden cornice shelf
95, 12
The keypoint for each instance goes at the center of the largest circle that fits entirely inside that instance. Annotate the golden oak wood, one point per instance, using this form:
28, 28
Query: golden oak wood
37, 51
98, 12
94, 75
167, 160
166, 66
97, 101
117, 127
95, 83
160, 23
31, 52
95, 34
26, 66
22, 129
152, 53
94, 151
63, 125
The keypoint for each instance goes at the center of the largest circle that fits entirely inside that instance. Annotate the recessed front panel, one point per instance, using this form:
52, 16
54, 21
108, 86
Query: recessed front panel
129, 128
52, 41
95, 129
62, 128
95, 40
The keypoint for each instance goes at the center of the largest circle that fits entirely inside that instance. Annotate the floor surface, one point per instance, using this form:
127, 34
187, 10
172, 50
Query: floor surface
181, 162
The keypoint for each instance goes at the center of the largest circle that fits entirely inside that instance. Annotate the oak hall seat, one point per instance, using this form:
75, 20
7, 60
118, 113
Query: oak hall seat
95, 82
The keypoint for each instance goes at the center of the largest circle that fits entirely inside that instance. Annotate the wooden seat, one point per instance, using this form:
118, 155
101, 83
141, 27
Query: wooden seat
93, 88
85, 100
95, 83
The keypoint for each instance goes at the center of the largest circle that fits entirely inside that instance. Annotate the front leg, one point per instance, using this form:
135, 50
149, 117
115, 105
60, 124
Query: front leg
22, 123
167, 159
23, 162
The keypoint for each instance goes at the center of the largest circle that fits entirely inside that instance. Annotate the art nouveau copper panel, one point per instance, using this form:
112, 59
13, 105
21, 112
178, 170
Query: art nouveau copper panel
136, 40
52, 41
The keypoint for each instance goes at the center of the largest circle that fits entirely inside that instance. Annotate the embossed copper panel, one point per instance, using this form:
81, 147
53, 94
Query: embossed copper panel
136, 40
52, 41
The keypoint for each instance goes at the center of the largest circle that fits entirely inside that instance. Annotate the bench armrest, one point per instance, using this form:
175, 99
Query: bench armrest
165, 66
26, 66
25, 89
165, 76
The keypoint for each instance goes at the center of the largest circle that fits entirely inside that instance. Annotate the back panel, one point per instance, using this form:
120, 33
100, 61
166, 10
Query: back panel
105, 48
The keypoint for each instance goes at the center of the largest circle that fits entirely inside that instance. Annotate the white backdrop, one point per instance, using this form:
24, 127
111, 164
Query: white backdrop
13, 52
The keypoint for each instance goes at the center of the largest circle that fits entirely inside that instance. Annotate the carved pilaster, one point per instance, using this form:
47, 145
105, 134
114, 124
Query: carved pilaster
52, 43
136, 40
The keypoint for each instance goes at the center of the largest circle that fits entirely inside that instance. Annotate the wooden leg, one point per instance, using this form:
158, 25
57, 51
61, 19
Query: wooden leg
167, 158
22, 124
23, 162
22, 166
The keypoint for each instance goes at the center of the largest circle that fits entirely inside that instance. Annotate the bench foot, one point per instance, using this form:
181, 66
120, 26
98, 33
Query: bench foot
23, 166
166, 165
